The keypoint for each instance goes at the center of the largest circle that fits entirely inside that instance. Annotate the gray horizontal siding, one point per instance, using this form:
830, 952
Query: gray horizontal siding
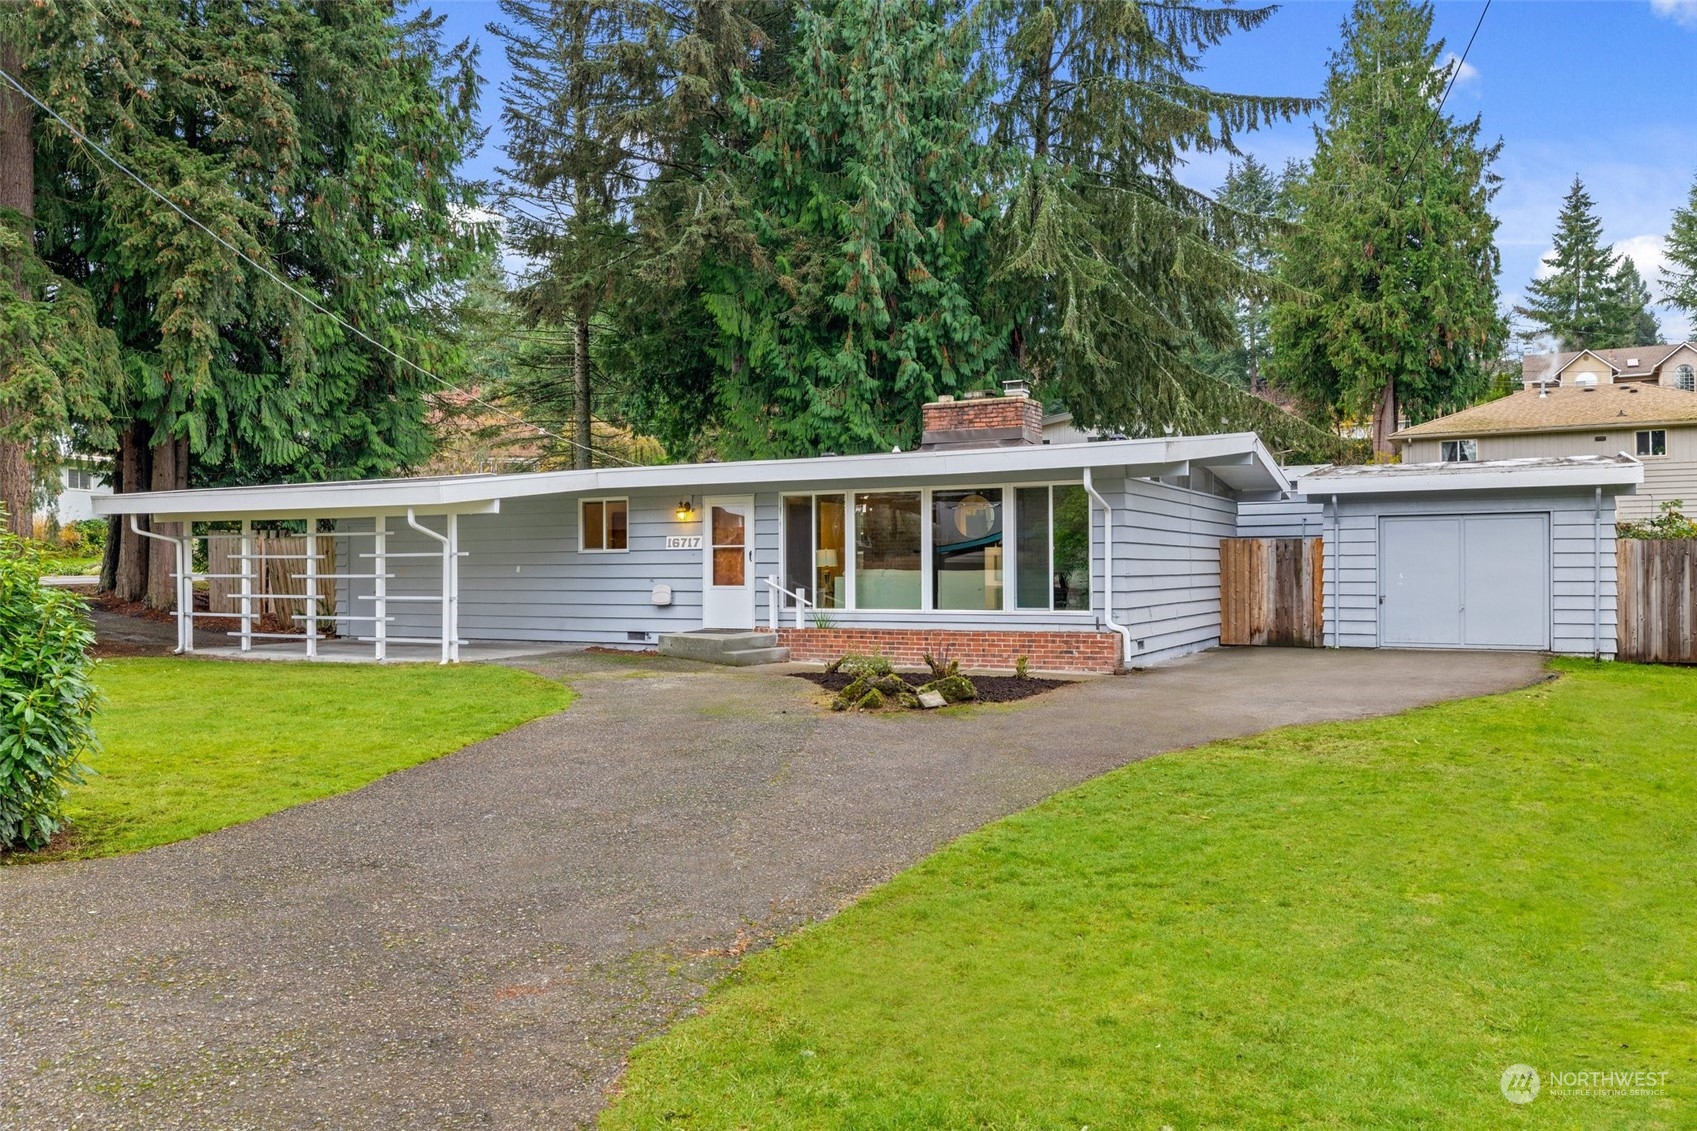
1167, 566
1286, 518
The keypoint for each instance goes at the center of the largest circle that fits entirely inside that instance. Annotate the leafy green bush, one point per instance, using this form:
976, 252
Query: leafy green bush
47, 697
1670, 522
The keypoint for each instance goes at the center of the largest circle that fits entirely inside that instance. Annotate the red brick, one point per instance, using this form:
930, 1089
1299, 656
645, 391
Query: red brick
1084, 651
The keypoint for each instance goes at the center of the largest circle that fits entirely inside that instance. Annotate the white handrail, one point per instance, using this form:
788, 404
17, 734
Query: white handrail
801, 603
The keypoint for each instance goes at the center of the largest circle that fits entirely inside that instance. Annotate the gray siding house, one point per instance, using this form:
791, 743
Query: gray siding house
987, 544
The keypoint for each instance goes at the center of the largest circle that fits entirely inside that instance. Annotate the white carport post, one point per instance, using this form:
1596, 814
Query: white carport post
451, 593
380, 589
312, 589
247, 584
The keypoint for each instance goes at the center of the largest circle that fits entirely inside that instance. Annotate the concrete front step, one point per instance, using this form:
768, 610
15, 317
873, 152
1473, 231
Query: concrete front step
736, 647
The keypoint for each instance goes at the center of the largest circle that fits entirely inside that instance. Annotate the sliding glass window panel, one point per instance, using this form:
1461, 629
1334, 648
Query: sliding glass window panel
1033, 579
1072, 548
618, 524
798, 546
966, 546
594, 528
830, 565
887, 555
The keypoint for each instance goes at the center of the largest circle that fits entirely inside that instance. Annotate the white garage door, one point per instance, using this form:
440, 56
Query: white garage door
1474, 581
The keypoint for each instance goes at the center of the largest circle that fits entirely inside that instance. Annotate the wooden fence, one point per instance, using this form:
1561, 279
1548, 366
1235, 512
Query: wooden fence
280, 559
1655, 614
1271, 591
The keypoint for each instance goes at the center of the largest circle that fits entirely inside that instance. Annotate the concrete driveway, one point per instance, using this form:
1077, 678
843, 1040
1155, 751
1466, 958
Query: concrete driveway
479, 940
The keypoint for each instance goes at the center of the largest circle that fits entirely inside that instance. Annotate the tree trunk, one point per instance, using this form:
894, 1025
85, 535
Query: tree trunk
170, 473
17, 192
580, 379
130, 578
1384, 420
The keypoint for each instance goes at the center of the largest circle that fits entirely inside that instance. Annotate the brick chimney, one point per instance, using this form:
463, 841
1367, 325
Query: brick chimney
982, 420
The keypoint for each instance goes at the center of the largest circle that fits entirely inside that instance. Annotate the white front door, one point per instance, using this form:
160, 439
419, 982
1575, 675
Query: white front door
727, 582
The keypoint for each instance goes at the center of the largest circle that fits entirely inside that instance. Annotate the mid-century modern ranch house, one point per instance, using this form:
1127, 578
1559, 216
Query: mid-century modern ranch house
985, 544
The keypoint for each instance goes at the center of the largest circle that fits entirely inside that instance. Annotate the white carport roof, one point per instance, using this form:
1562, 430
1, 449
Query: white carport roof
1620, 473
1237, 459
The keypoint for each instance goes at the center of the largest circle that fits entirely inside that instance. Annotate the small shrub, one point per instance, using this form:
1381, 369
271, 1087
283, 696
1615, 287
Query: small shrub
943, 668
1022, 668
47, 698
91, 533
1670, 522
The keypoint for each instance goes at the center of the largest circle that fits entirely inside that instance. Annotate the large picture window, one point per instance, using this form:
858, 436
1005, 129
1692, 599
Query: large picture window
949, 549
604, 524
888, 555
814, 550
966, 548
1052, 569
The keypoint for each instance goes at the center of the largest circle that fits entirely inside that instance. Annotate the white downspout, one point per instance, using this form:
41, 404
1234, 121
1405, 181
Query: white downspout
1597, 580
447, 578
1337, 578
1108, 567
185, 622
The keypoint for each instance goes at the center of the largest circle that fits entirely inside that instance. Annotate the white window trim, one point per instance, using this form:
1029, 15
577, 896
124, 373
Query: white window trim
1651, 433
927, 603
606, 529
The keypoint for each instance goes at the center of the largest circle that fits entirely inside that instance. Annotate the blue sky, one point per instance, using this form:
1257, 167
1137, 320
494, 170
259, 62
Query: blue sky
1599, 88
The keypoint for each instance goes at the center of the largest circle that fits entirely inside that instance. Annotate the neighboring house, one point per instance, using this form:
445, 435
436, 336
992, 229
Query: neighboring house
1652, 423
80, 482
985, 544
1670, 366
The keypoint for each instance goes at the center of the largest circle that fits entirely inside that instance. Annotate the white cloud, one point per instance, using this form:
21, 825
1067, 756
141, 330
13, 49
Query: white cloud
1467, 74
1649, 254
1681, 12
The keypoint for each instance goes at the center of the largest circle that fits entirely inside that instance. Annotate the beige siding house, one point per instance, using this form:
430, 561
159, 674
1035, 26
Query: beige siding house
1670, 366
1654, 423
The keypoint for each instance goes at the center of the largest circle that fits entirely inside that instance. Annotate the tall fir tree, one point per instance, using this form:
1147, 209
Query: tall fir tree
1578, 303
1396, 249
319, 140
1634, 296
1257, 193
1110, 271
1679, 272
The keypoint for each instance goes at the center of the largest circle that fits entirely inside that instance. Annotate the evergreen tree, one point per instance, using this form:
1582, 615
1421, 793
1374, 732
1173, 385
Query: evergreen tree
1110, 271
1679, 274
1579, 302
863, 208
1634, 297
1396, 245
320, 140
1254, 191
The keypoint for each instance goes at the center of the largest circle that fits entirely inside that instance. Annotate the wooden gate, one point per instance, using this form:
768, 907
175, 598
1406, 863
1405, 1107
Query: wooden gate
277, 569
1657, 581
1271, 591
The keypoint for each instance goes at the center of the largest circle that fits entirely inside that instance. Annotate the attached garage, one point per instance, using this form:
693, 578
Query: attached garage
1465, 581
1512, 554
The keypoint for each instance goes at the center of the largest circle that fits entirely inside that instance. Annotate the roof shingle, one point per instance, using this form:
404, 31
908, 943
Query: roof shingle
1612, 406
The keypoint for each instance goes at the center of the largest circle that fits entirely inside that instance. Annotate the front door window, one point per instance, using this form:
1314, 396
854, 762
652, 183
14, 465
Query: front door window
729, 538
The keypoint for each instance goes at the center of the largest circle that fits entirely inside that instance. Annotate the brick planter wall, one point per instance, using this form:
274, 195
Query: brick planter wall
1048, 651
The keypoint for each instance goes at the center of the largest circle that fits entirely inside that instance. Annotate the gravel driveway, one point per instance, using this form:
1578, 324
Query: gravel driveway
479, 940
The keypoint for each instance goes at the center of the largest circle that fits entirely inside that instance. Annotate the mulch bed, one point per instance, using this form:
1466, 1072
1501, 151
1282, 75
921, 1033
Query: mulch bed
991, 688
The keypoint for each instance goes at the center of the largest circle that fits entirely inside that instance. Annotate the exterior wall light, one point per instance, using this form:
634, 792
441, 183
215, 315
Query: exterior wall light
686, 511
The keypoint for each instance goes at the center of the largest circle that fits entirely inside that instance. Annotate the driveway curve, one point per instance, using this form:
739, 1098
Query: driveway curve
478, 941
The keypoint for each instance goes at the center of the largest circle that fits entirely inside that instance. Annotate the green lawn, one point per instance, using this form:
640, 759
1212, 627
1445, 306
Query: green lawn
195, 745
1349, 926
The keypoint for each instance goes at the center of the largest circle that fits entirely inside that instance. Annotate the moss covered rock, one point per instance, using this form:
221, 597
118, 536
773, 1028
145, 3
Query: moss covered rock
954, 688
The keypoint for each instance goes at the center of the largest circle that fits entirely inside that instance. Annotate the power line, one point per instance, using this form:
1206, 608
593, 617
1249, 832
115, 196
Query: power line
288, 286
1455, 76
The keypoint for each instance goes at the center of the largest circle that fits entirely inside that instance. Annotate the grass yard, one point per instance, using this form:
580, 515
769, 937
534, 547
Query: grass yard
194, 745
1348, 926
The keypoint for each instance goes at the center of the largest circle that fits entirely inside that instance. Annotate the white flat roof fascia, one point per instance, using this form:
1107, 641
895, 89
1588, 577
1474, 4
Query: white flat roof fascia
1613, 473
462, 493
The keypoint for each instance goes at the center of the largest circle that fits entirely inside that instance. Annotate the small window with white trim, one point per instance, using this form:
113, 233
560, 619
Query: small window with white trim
604, 525
1459, 451
1653, 442
1685, 378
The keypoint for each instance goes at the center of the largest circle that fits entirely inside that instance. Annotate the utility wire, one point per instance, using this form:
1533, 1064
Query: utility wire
290, 287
